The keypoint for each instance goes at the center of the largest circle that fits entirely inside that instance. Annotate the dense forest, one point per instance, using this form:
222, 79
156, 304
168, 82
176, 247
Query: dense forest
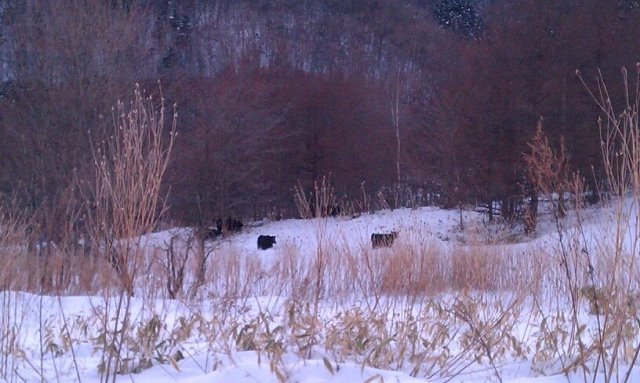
392, 100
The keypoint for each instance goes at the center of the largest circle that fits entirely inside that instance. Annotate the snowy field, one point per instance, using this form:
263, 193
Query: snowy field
323, 306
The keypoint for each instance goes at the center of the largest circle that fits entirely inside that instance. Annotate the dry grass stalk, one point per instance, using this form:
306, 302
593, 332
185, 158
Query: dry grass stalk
124, 204
322, 201
611, 267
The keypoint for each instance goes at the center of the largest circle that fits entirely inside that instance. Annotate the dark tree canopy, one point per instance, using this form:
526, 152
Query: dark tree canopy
276, 93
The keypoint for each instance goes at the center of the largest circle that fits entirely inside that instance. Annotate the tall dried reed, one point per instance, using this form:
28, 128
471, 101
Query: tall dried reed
123, 204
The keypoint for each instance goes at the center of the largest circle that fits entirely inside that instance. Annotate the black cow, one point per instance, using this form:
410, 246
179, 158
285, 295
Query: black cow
333, 211
233, 225
214, 233
266, 241
383, 239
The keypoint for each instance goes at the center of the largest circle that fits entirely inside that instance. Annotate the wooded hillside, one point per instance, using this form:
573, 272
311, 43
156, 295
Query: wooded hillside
433, 95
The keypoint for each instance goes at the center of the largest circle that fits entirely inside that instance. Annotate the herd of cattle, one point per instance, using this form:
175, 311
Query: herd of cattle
234, 225
231, 225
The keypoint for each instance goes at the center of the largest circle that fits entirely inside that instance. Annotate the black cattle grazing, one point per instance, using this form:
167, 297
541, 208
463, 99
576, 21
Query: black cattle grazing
333, 211
383, 239
233, 225
214, 233
266, 241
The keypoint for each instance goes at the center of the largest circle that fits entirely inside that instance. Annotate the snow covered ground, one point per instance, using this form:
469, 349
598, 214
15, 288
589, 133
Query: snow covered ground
265, 335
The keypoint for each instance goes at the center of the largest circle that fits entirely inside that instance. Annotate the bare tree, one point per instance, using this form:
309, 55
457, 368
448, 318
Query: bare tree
395, 94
